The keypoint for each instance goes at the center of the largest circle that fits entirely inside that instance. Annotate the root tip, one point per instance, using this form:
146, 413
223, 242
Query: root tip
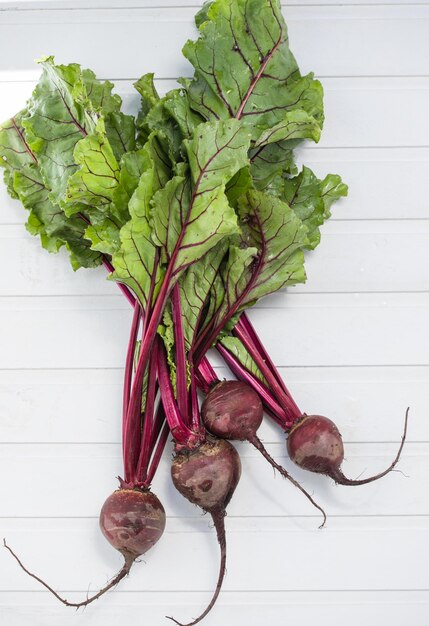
174, 620
323, 524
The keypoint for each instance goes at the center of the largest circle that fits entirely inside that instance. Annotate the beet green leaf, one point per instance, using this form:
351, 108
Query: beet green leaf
245, 69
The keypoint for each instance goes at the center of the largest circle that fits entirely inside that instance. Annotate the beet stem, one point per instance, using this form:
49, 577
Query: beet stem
244, 321
180, 431
109, 267
271, 405
148, 420
124, 571
206, 376
181, 363
340, 479
130, 355
255, 441
281, 397
157, 425
148, 339
158, 453
195, 409
218, 516
128, 376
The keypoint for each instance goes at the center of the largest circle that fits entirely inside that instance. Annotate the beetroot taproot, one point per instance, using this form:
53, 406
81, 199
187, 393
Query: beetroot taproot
132, 520
315, 444
207, 476
233, 410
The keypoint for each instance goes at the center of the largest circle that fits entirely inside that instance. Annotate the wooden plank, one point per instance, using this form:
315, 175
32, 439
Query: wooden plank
367, 171
351, 40
354, 108
58, 473
368, 404
318, 330
32, 5
253, 609
353, 256
78, 555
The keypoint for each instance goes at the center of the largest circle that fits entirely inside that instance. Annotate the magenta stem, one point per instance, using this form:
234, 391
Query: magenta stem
181, 362
206, 375
158, 424
281, 397
127, 293
202, 382
240, 372
148, 421
181, 433
150, 294
196, 417
246, 324
158, 452
209, 371
134, 408
129, 363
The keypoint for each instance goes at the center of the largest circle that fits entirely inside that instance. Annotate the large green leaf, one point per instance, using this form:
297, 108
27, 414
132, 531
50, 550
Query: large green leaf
136, 260
172, 118
101, 187
192, 214
64, 108
149, 97
269, 166
312, 198
296, 124
267, 257
97, 178
120, 132
195, 285
45, 218
14, 149
244, 67
271, 156
272, 227
176, 104
105, 225
48, 221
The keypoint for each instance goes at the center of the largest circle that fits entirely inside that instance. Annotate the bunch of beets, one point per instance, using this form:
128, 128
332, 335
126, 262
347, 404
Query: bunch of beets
197, 210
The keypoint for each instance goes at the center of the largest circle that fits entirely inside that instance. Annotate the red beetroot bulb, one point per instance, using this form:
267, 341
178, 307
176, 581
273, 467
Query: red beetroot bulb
315, 444
207, 476
233, 410
132, 520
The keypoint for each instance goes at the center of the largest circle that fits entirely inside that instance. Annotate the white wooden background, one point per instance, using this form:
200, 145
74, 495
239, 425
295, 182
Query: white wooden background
353, 343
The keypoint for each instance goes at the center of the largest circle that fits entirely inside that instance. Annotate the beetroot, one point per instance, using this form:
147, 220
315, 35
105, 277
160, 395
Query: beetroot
315, 444
207, 476
132, 520
233, 410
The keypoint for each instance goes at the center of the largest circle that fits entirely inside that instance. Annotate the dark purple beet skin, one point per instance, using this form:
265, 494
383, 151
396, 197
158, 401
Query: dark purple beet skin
315, 444
132, 520
232, 410
208, 475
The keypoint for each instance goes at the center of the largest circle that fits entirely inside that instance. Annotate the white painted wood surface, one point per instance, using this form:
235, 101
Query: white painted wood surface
354, 345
